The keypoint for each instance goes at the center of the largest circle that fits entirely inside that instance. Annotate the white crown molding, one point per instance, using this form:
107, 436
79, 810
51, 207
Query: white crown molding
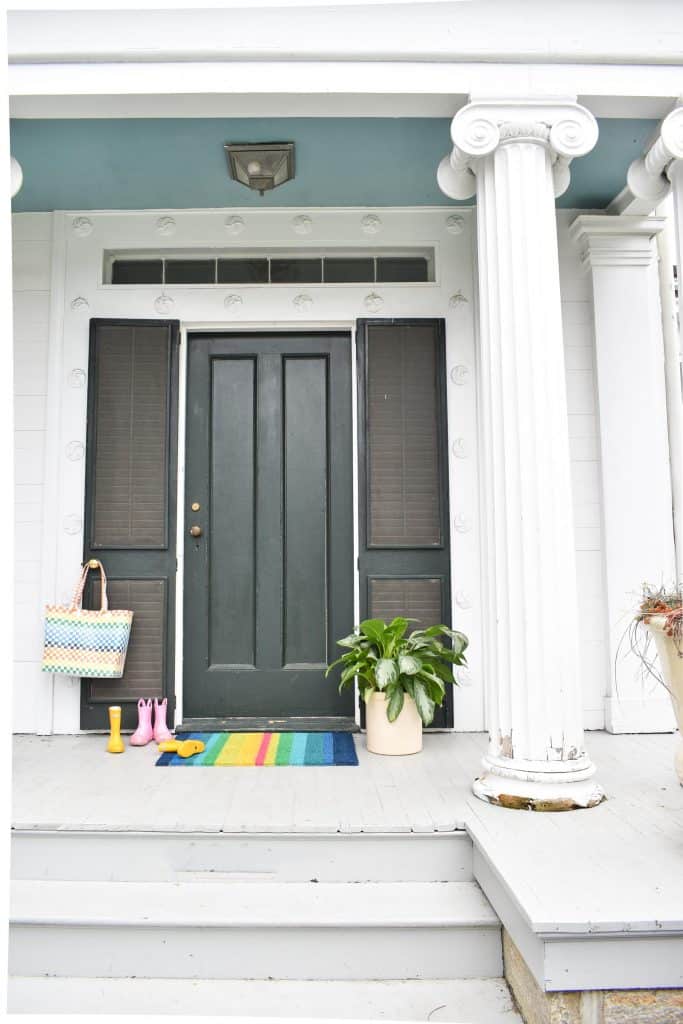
608, 241
564, 127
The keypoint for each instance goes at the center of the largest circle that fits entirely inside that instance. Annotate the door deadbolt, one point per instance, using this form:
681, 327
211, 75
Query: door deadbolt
196, 506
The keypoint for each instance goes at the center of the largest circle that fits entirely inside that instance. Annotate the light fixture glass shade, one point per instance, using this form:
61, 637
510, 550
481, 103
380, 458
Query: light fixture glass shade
261, 166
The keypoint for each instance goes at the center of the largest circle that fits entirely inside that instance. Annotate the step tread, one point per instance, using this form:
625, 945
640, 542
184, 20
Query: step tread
478, 1001
251, 904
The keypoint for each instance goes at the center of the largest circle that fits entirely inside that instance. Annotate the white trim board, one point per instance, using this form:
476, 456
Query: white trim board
79, 262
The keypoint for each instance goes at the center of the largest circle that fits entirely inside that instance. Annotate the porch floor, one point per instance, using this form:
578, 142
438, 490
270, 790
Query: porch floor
619, 863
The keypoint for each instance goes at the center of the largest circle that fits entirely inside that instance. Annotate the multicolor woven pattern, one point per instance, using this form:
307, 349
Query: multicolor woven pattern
266, 750
86, 643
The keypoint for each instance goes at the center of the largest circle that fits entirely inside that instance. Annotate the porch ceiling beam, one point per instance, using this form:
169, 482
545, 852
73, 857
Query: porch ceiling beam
313, 88
650, 177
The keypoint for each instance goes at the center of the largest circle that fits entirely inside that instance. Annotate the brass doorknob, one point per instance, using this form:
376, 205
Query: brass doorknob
196, 531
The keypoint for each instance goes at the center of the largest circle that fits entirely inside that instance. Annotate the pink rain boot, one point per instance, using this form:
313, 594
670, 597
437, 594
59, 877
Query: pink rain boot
144, 733
161, 730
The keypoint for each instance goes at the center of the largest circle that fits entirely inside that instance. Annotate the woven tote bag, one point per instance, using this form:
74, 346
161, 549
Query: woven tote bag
79, 642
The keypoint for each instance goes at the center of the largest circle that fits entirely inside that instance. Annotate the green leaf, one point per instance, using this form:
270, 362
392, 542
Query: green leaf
386, 672
332, 665
409, 665
424, 703
374, 629
395, 705
368, 690
352, 640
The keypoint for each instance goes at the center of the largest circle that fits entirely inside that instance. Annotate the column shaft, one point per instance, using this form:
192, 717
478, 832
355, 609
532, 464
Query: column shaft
536, 756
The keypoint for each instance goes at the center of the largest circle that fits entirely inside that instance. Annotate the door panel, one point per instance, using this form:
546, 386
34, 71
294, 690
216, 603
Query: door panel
232, 583
269, 463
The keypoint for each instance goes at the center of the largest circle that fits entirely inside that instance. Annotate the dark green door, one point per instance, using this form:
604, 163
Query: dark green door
268, 471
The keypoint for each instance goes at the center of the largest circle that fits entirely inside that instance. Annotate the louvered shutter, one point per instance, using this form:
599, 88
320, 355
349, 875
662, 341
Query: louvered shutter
130, 516
404, 544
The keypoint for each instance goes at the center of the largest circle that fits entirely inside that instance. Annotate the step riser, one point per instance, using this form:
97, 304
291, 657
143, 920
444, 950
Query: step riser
106, 856
283, 953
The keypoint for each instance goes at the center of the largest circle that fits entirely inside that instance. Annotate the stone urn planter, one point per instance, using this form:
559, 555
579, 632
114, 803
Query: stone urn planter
671, 662
402, 736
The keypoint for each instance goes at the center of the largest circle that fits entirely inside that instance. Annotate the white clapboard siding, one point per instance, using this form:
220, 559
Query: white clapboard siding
31, 259
584, 443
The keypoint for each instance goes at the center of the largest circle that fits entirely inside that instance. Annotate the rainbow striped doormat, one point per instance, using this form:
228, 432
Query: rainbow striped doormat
266, 750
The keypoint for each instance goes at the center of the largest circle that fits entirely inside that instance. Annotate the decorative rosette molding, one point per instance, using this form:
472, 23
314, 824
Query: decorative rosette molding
232, 301
302, 302
234, 225
303, 224
163, 304
457, 299
166, 226
75, 450
79, 304
462, 523
459, 374
455, 224
82, 227
373, 302
371, 224
72, 525
567, 129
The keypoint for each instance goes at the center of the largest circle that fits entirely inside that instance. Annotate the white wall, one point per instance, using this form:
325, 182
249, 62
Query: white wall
31, 252
584, 436
78, 255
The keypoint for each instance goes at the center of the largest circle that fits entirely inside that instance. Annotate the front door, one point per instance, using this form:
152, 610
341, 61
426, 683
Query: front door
268, 527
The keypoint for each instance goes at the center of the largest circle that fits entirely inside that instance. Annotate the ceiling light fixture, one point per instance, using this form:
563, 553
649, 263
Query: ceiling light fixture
261, 166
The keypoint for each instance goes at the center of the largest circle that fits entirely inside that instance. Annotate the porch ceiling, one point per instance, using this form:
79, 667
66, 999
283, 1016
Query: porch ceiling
169, 163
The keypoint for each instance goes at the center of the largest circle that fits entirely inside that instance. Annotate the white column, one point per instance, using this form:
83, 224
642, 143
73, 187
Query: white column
651, 179
518, 154
634, 447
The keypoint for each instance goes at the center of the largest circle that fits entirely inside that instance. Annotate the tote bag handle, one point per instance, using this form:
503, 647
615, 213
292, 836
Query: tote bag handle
77, 599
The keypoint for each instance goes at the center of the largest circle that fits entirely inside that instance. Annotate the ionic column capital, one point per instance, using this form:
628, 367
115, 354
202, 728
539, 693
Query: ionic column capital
649, 177
563, 126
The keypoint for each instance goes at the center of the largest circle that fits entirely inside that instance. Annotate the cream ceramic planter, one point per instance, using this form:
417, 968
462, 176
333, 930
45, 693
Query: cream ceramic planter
672, 670
404, 736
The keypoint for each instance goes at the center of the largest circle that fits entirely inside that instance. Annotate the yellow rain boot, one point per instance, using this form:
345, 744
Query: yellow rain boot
115, 744
183, 748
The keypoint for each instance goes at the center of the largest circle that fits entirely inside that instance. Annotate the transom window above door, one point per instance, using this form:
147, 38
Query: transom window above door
270, 268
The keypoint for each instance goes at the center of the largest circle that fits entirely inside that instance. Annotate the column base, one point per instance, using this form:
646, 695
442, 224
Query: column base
527, 795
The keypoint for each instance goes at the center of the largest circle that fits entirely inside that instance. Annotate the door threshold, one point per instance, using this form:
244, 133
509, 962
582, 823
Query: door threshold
317, 724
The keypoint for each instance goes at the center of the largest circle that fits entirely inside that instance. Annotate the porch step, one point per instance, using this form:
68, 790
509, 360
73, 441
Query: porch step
249, 930
477, 1001
101, 855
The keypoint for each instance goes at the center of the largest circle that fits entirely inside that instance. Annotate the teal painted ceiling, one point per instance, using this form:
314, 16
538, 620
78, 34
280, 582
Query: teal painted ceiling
166, 163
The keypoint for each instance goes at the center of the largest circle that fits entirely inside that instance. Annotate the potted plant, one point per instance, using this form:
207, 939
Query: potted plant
660, 617
402, 679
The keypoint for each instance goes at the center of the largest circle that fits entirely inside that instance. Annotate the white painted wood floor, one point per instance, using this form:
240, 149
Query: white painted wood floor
612, 868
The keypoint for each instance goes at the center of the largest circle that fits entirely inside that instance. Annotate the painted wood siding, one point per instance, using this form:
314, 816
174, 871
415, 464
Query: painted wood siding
584, 441
31, 255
